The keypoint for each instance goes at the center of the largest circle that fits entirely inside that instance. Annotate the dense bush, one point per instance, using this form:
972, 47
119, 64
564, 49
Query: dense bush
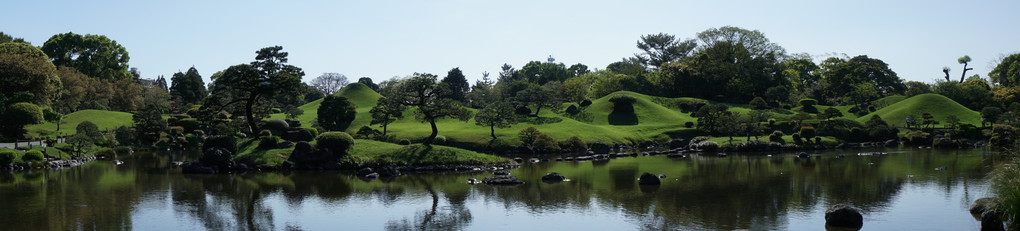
916, 138
33, 155
268, 142
227, 142
366, 132
777, 136
572, 109
808, 105
585, 102
499, 146
439, 140
573, 143
708, 146
7, 157
758, 145
404, 142
758, 103
623, 103
337, 142
807, 132
189, 124
1003, 135
689, 124
276, 126
839, 127
545, 142
528, 135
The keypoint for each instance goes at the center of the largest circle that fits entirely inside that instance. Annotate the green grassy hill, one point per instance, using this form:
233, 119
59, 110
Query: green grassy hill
105, 120
359, 94
939, 106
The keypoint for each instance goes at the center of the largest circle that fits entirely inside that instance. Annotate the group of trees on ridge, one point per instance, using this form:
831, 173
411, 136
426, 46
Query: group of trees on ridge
72, 72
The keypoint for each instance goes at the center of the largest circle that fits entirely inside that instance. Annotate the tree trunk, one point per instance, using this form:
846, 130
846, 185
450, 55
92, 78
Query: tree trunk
965, 69
384, 128
435, 131
252, 127
492, 131
947, 74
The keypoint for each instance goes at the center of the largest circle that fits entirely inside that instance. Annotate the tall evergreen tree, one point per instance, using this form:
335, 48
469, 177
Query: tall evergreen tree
187, 87
457, 83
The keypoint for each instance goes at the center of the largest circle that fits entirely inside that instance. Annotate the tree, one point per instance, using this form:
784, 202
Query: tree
543, 72
423, 92
18, 115
710, 117
662, 48
1007, 72
831, 113
74, 90
6, 38
755, 41
94, 55
964, 60
507, 74
990, 115
541, 97
330, 83
862, 94
458, 85
149, 123
628, 66
803, 73
495, 115
187, 88
758, 103
25, 68
578, 70
952, 121
482, 93
842, 77
385, 112
575, 89
916, 88
754, 120
368, 82
127, 95
528, 135
336, 113
266, 77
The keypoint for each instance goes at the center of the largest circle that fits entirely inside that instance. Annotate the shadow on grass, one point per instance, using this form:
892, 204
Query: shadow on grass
623, 118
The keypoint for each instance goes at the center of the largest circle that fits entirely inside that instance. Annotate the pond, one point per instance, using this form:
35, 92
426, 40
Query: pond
904, 190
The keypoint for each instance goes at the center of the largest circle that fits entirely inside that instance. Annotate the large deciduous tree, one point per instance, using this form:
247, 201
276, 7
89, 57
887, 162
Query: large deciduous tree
26, 68
424, 92
17, 115
842, 75
1007, 72
266, 77
94, 55
368, 82
330, 82
336, 113
543, 72
187, 88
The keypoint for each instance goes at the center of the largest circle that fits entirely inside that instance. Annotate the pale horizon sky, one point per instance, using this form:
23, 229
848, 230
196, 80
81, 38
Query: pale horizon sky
383, 39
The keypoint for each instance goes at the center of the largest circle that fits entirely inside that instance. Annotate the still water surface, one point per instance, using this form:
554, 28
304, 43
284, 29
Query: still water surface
899, 191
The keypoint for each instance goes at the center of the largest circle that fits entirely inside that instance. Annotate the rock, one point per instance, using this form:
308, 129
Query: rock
982, 205
677, 143
370, 176
662, 176
892, 143
298, 134
803, 155
389, 171
473, 181
364, 172
553, 177
842, 215
518, 160
502, 180
991, 221
501, 173
649, 179
285, 144
534, 160
599, 148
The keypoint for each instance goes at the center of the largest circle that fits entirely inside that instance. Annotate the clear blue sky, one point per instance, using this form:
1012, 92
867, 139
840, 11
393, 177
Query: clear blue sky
382, 39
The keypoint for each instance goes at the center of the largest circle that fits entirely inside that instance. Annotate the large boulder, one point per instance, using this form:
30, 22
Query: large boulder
217, 158
305, 156
367, 173
553, 177
299, 134
277, 126
842, 215
502, 180
649, 179
982, 205
991, 221
389, 171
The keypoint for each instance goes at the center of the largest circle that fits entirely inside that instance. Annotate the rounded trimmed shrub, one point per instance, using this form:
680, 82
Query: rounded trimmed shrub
572, 109
623, 103
336, 142
689, 124
33, 155
268, 142
7, 157
404, 142
228, 143
585, 102
708, 146
573, 143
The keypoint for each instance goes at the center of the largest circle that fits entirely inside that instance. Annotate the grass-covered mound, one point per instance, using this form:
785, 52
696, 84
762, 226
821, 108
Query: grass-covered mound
105, 120
939, 106
359, 94
373, 153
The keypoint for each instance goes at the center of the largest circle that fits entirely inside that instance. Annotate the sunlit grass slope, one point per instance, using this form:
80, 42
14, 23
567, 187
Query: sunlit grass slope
105, 120
939, 106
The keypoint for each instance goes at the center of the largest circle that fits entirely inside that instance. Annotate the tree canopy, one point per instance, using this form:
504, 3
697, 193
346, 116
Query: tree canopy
458, 85
94, 55
330, 82
187, 88
336, 113
24, 67
250, 84
424, 92
1007, 72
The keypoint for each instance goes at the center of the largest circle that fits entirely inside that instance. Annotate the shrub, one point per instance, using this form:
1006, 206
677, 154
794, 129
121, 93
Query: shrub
758, 145
623, 103
808, 105
315, 132
528, 135
276, 126
585, 102
227, 142
696, 140
545, 142
337, 142
189, 124
818, 140
708, 146
176, 130
1002, 135
807, 132
689, 124
33, 155
265, 133
404, 142
366, 132
268, 142
777, 136
573, 143
916, 138
499, 146
758, 103
440, 140
573, 110
7, 157
796, 139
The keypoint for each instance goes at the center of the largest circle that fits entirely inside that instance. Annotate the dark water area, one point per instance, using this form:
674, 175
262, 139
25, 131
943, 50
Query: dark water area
900, 191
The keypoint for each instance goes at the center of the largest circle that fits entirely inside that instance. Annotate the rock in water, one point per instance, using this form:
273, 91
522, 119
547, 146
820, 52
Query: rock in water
365, 172
981, 205
389, 171
553, 177
842, 215
991, 221
502, 180
649, 179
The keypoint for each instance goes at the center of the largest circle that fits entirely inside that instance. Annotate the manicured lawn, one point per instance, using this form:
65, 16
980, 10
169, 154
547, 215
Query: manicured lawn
105, 120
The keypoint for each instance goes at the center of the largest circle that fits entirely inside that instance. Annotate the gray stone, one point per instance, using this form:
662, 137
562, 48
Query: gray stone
842, 215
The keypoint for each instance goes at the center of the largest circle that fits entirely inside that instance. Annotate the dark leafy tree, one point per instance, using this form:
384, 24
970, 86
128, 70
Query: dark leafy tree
1007, 72
187, 88
754, 41
25, 68
543, 72
94, 55
254, 84
507, 74
830, 113
385, 112
916, 88
424, 92
495, 115
149, 123
662, 48
6, 38
578, 70
458, 85
127, 95
628, 66
368, 82
990, 114
336, 113
540, 97
482, 93
329, 83
843, 75
312, 93
18, 115
710, 118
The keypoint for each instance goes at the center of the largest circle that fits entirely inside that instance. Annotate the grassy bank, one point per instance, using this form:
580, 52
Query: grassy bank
105, 120
372, 153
